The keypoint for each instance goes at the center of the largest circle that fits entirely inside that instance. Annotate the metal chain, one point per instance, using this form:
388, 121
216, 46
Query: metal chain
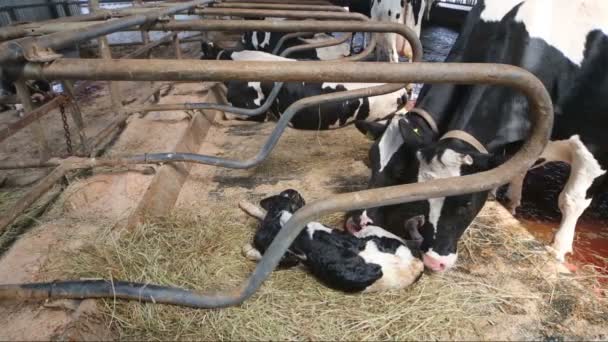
66, 129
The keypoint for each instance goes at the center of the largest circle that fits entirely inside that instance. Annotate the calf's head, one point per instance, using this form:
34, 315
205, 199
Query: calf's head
289, 200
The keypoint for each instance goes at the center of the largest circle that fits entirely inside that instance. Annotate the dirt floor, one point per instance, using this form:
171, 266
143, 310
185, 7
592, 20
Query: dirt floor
505, 287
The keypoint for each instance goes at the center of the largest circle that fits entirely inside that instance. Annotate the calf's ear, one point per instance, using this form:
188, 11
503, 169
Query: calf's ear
268, 203
372, 130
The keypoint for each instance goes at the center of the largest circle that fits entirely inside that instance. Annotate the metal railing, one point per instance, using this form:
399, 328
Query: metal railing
500, 75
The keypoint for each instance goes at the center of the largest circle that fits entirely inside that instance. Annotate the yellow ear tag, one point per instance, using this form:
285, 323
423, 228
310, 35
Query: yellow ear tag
417, 131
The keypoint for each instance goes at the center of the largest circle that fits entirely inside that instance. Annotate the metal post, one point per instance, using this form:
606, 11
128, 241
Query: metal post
53, 9
177, 45
106, 53
26, 100
13, 15
76, 113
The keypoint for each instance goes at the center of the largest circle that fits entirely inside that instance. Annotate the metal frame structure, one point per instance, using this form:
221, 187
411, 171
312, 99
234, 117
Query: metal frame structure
35, 58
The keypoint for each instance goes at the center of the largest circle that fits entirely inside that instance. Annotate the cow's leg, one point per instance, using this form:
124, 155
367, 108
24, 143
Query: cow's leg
514, 192
574, 198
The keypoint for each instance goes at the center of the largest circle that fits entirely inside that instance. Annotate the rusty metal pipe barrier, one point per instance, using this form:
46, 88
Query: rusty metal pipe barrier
276, 88
289, 14
300, 2
541, 110
34, 48
273, 139
290, 36
280, 6
231, 109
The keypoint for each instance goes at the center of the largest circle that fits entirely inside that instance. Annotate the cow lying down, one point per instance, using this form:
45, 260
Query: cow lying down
251, 95
368, 260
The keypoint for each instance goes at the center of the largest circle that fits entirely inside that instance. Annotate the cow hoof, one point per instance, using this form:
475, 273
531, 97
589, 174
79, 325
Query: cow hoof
559, 252
250, 253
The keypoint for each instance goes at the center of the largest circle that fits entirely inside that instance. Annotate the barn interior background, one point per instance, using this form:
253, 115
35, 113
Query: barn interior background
83, 198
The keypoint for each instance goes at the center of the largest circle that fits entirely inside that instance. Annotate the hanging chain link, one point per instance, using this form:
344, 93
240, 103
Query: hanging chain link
66, 129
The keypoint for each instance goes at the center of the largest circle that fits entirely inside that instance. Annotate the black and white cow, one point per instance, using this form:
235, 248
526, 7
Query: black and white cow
565, 44
253, 94
408, 12
370, 260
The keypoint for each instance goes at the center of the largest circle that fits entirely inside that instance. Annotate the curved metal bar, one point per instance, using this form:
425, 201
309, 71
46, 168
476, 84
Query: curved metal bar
363, 55
280, 6
287, 37
316, 45
541, 110
17, 49
284, 120
224, 108
296, 26
260, 13
300, 2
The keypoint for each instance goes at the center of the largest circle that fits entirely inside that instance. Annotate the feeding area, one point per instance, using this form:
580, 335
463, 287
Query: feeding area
300, 170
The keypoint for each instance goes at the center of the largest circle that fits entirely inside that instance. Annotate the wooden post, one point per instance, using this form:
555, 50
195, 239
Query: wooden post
106, 53
26, 100
177, 46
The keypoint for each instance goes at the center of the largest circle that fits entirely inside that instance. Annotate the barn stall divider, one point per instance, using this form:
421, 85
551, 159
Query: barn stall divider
33, 58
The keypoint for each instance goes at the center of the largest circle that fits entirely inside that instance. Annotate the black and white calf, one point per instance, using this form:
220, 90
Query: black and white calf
369, 260
253, 94
565, 44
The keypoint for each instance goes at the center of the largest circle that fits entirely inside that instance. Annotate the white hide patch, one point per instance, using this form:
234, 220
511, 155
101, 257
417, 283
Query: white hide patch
369, 231
398, 270
285, 216
254, 40
260, 95
448, 166
266, 41
564, 24
379, 106
313, 227
390, 142
249, 55
495, 10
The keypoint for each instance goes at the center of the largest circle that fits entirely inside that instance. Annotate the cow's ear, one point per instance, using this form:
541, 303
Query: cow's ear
372, 130
483, 162
269, 202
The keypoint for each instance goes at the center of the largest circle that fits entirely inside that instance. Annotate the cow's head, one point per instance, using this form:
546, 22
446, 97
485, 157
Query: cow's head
447, 218
392, 160
405, 151
248, 95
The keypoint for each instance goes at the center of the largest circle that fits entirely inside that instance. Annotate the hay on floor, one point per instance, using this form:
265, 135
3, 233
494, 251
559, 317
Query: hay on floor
484, 298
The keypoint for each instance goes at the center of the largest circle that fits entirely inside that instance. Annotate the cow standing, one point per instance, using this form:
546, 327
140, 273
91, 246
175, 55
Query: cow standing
408, 12
565, 44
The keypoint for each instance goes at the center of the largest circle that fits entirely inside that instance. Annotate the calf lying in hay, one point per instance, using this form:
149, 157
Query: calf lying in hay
369, 260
